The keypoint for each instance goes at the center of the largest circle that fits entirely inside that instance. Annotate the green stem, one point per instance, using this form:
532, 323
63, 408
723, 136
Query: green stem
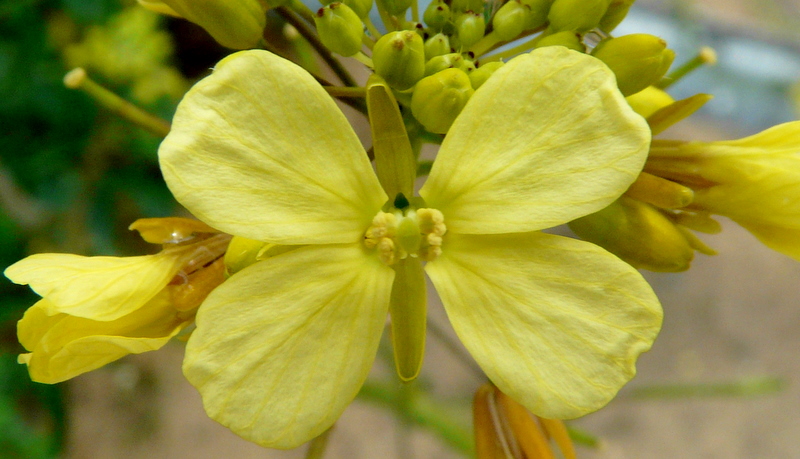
305, 30
345, 92
301, 9
526, 45
318, 445
485, 44
706, 55
422, 411
373, 31
744, 388
78, 79
363, 58
582, 437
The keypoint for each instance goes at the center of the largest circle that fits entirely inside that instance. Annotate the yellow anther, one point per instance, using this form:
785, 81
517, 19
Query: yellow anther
418, 233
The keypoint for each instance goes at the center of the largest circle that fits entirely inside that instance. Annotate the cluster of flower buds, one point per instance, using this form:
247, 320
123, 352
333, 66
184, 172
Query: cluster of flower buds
435, 66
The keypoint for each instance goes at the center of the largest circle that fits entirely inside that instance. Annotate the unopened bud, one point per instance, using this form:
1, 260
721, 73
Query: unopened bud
539, 9
638, 233
437, 15
439, 98
399, 58
437, 45
360, 7
460, 6
470, 27
569, 39
576, 15
479, 76
395, 7
638, 60
445, 61
615, 13
510, 20
339, 28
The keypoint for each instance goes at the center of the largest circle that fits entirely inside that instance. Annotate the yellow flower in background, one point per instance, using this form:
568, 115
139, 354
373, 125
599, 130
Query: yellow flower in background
236, 24
96, 310
754, 181
260, 150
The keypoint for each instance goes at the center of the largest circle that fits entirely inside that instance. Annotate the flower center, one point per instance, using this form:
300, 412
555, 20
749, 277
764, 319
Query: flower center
403, 232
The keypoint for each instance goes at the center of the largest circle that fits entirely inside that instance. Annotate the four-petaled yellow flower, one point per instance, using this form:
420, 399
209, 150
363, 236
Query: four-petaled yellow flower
259, 150
96, 310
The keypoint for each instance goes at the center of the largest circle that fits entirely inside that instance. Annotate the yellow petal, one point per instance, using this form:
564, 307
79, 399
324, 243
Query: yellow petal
237, 24
283, 346
783, 240
259, 149
556, 323
548, 138
170, 230
97, 288
64, 346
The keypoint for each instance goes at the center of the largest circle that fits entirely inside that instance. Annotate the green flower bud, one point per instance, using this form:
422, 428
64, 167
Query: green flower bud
616, 12
437, 45
470, 27
539, 11
445, 61
460, 6
479, 76
639, 234
510, 20
436, 15
567, 38
395, 7
360, 7
339, 28
576, 15
439, 98
399, 58
465, 65
638, 60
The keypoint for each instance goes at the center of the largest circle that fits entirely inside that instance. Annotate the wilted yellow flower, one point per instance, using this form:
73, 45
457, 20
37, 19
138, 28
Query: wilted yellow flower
258, 149
96, 310
754, 181
237, 24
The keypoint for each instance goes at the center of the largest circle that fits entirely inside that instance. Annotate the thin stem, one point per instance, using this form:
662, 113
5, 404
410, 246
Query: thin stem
388, 21
318, 445
373, 31
706, 55
485, 44
520, 48
78, 79
744, 388
367, 41
305, 30
301, 9
415, 11
363, 58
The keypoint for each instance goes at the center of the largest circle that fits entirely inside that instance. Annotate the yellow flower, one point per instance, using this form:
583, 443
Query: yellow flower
259, 150
237, 24
754, 181
96, 310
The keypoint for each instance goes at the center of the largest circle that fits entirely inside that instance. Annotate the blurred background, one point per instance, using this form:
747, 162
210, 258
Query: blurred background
720, 382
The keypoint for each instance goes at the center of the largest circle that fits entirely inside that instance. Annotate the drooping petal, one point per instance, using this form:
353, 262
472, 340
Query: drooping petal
237, 24
258, 149
283, 346
547, 139
556, 323
97, 288
63, 346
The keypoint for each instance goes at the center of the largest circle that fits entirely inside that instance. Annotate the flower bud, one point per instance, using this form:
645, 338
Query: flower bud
395, 7
445, 61
437, 15
470, 27
479, 76
437, 45
538, 15
638, 233
569, 39
399, 58
236, 25
460, 6
638, 60
510, 20
360, 7
576, 15
340, 29
615, 13
439, 98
